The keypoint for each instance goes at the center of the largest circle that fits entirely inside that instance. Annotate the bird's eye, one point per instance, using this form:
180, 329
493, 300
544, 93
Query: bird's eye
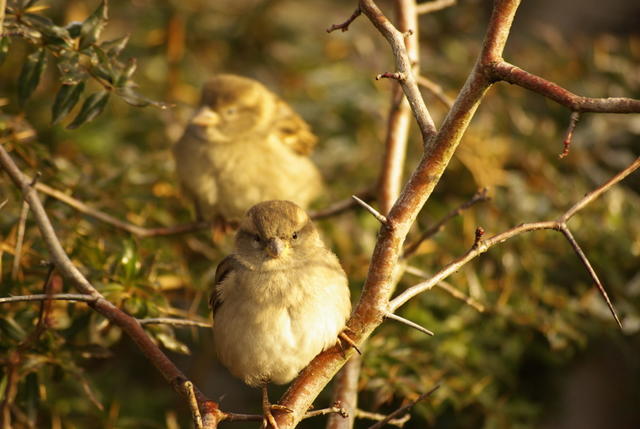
295, 236
256, 238
231, 111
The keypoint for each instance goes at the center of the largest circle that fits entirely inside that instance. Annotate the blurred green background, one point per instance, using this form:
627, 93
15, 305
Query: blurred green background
545, 353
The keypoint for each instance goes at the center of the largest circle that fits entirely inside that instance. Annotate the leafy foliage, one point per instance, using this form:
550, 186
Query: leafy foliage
505, 367
79, 55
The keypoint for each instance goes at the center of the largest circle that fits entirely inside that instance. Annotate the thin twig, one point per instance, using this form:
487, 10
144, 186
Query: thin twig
480, 196
434, 6
583, 258
55, 297
341, 206
336, 409
566, 143
17, 255
239, 417
404, 408
361, 414
174, 322
399, 76
375, 213
502, 70
435, 89
345, 25
447, 287
591, 196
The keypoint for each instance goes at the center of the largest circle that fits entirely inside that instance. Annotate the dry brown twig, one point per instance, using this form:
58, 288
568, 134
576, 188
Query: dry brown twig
566, 143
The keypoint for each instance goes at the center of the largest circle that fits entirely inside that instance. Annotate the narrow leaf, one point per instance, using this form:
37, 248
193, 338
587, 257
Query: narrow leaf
115, 46
93, 25
66, 99
133, 98
93, 105
30, 75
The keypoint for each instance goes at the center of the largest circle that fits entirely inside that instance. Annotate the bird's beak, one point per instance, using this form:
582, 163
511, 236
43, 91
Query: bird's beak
205, 117
275, 247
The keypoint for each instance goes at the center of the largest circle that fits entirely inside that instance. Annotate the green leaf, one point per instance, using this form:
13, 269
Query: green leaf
127, 72
30, 75
115, 46
4, 48
93, 25
93, 105
66, 99
101, 65
133, 98
51, 33
70, 69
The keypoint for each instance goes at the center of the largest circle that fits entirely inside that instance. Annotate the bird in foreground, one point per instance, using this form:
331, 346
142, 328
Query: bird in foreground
244, 145
279, 300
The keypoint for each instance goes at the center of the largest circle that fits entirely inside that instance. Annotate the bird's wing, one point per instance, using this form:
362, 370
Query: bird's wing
292, 130
224, 268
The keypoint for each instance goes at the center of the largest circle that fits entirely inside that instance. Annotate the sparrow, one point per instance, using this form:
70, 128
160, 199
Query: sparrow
244, 145
279, 299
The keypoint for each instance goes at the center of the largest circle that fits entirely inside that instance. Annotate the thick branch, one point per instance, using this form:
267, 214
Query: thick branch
403, 65
502, 70
390, 181
346, 394
369, 312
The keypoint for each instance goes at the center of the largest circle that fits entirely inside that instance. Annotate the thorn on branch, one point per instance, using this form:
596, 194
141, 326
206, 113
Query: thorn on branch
381, 218
345, 25
399, 76
390, 315
585, 261
575, 116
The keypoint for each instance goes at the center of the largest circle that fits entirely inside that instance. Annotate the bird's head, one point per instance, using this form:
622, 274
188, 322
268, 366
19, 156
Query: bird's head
275, 234
232, 106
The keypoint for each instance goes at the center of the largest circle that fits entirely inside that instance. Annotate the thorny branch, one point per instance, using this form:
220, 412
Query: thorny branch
439, 149
480, 245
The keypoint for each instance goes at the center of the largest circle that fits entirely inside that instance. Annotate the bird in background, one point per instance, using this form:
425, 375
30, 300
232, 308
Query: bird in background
244, 145
279, 299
